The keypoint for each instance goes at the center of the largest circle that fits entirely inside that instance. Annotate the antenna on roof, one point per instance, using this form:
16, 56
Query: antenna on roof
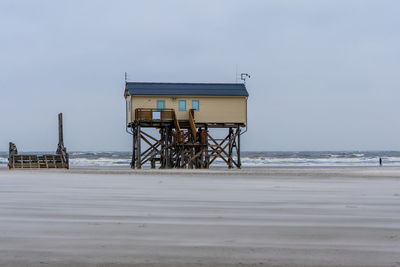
126, 76
244, 76
236, 76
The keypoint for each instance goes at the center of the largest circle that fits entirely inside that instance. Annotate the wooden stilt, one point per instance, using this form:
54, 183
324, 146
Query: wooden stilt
138, 144
134, 150
184, 144
239, 161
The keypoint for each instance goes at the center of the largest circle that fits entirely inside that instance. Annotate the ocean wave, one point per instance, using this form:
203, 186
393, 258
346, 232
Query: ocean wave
249, 159
311, 161
101, 162
3, 160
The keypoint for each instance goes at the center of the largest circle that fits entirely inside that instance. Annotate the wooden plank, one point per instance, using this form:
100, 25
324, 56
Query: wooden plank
176, 123
146, 155
194, 157
192, 125
230, 141
238, 148
149, 136
139, 160
133, 160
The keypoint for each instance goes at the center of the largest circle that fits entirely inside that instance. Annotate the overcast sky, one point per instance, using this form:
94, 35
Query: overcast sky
324, 74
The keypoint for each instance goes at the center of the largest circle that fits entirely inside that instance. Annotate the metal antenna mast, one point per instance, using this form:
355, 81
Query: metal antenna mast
236, 76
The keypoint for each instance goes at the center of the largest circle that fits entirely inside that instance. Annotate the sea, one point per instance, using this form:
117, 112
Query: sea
249, 159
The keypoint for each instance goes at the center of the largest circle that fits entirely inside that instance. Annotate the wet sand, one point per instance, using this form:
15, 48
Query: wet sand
250, 217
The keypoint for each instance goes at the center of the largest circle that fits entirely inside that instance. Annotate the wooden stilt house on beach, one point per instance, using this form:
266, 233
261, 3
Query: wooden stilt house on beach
185, 113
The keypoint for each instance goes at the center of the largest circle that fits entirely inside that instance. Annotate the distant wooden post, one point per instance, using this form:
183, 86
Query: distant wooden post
61, 150
12, 149
60, 146
60, 129
12, 152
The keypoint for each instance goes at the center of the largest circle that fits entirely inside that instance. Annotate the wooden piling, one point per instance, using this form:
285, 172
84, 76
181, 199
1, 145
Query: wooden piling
183, 144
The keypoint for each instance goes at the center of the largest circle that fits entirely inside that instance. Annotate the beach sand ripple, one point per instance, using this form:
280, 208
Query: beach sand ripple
250, 217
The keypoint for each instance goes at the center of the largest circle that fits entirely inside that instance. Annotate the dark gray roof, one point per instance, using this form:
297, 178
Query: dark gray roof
201, 89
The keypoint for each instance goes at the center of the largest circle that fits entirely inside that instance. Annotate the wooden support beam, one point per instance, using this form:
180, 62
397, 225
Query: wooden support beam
192, 125
138, 140
206, 155
176, 123
239, 162
146, 156
194, 157
218, 147
134, 151
230, 148
221, 148
149, 136
196, 148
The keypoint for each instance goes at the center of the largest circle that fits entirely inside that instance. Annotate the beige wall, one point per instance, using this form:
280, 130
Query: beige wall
219, 109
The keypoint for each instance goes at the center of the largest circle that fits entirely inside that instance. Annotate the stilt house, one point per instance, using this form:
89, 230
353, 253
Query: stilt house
184, 113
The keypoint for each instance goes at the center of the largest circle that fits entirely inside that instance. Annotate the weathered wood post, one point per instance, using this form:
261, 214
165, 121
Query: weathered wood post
170, 149
230, 148
133, 160
61, 150
60, 129
12, 152
163, 156
12, 149
207, 147
238, 147
139, 150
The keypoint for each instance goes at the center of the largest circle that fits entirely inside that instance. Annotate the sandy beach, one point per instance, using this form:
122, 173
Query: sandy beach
249, 217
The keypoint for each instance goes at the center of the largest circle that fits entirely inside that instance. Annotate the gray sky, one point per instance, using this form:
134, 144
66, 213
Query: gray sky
324, 73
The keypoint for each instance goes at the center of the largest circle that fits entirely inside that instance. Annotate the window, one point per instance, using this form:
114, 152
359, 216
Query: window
195, 104
156, 115
182, 105
160, 104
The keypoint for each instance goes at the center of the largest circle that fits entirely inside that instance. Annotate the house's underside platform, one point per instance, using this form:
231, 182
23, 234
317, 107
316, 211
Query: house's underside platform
184, 144
184, 124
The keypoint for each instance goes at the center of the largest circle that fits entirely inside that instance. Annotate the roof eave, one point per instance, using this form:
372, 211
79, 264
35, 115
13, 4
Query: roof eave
186, 95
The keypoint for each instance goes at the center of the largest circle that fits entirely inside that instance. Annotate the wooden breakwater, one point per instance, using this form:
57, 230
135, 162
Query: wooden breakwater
30, 161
